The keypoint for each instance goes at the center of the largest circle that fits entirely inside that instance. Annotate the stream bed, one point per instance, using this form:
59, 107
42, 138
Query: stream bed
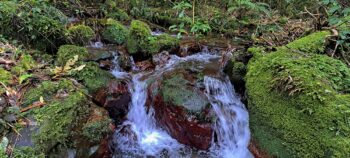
146, 132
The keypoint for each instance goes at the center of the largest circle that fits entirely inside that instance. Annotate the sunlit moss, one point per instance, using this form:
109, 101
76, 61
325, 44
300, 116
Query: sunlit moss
138, 37
80, 34
298, 101
67, 52
115, 32
93, 77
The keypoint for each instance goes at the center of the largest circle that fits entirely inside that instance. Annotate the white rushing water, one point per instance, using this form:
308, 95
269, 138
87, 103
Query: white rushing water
139, 136
232, 127
150, 140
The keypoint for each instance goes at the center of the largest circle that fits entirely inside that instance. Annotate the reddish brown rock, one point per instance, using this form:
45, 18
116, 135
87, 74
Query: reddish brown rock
182, 109
103, 150
115, 99
257, 151
187, 131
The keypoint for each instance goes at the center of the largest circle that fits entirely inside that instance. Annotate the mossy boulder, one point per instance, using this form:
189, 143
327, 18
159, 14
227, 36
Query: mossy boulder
114, 32
162, 42
46, 89
33, 23
5, 78
93, 77
141, 41
97, 125
68, 120
313, 43
138, 37
67, 52
299, 100
80, 35
177, 96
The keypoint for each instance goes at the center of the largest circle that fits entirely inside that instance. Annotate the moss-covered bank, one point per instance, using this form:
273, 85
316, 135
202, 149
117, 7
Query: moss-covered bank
299, 100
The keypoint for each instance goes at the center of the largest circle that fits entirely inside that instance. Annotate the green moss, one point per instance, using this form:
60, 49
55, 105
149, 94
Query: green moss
47, 90
80, 34
41, 25
313, 43
162, 42
60, 122
98, 126
298, 103
5, 78
69, 119
118, 14
137, 40
175, 91
25, 63
93, 77
67, 52
115, 32
26, 152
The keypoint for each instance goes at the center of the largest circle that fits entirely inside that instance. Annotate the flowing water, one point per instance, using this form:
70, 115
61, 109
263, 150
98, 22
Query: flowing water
140, 136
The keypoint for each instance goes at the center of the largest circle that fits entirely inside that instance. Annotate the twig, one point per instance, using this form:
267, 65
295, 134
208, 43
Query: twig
38, 104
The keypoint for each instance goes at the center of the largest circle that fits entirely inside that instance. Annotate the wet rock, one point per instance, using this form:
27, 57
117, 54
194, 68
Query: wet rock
257, 151
96, 54
106, 64
115, 99
182, 109
125, 62
145, 65
103, 150
161, 58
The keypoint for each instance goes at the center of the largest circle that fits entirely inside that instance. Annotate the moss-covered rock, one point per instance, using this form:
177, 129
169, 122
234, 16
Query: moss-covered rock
67, 52
97, 126
93, 77
162, 42
69, 119
46, 89
137, 40
313, 43
298, 101
59, 122
140, 40
34, 23
80, 34
114, 32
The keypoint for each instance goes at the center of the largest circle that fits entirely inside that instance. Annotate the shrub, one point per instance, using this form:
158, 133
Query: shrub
34, 23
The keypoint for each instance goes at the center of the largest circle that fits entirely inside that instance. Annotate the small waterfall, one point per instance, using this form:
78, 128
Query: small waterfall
97, 44
117, 71
232, 127
148, 140
139, 136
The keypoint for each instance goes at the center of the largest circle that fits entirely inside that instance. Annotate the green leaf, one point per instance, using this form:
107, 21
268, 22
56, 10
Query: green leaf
24, 77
